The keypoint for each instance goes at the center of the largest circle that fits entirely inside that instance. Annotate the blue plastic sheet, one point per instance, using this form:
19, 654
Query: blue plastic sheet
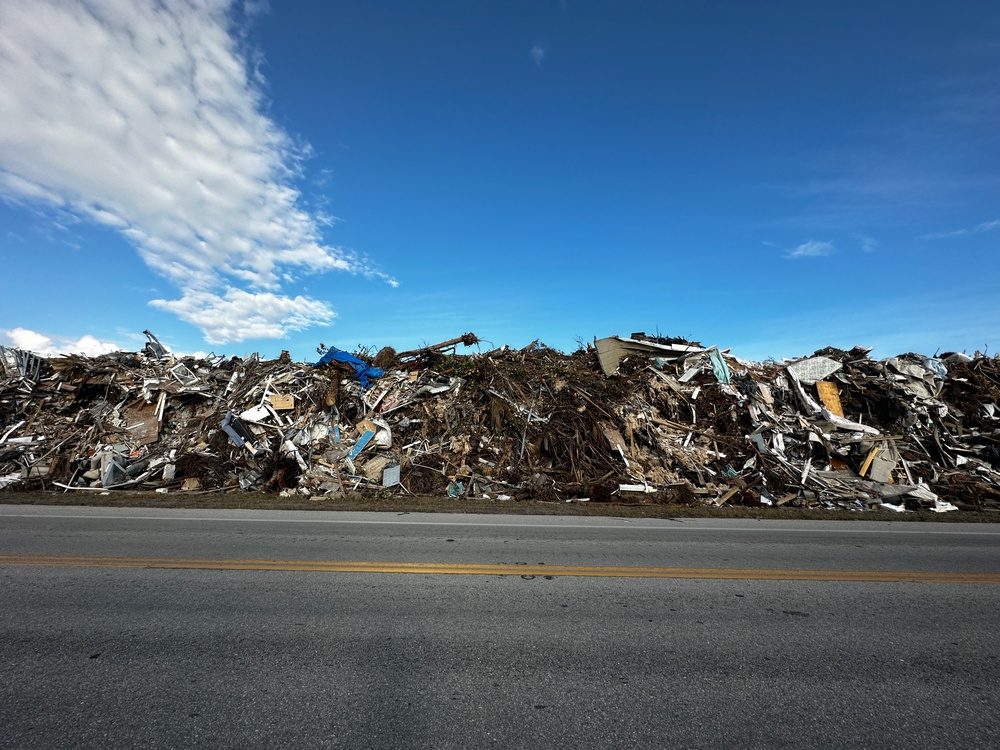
362, 370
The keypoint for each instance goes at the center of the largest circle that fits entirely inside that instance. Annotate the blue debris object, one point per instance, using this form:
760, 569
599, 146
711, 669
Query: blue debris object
719, 366
362, 370
360, 445
935, 365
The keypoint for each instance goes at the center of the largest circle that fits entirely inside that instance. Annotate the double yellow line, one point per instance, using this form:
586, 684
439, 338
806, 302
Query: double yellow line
588, 571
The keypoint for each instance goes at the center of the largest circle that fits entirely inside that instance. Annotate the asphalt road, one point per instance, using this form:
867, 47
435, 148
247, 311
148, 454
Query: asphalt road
98, 648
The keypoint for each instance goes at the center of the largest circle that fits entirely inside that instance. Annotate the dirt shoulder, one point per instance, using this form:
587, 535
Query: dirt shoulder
412, 504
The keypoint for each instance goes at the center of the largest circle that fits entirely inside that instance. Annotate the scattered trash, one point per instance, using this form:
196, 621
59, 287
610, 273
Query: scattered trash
641, 419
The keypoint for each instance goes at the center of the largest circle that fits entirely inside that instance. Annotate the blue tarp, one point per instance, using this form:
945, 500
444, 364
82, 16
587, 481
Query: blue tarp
719, 366
362, 370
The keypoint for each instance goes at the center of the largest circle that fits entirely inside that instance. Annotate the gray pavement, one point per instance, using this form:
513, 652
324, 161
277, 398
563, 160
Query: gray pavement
112, 657
458, 538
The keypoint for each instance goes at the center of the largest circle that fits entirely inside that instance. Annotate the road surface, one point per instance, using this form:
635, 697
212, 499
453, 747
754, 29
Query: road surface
171, 628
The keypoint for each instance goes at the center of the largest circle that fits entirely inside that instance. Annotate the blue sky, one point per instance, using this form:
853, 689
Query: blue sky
773, 177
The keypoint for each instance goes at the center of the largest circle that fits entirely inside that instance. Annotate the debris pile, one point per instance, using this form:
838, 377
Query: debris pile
644, 418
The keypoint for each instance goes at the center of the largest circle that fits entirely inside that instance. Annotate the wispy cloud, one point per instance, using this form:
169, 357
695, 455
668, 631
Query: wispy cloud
811, 249
926, 156
986, 226
51, 346
537, 54
148, 118
868, 244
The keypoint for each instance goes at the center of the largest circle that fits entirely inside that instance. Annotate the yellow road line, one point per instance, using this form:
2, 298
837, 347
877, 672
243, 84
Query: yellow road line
592, 571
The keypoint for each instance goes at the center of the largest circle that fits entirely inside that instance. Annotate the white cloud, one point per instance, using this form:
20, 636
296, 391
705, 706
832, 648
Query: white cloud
48, 346
145, 117
537, 54
811, 249
21, 338
868, 244
986, 226
239, 314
